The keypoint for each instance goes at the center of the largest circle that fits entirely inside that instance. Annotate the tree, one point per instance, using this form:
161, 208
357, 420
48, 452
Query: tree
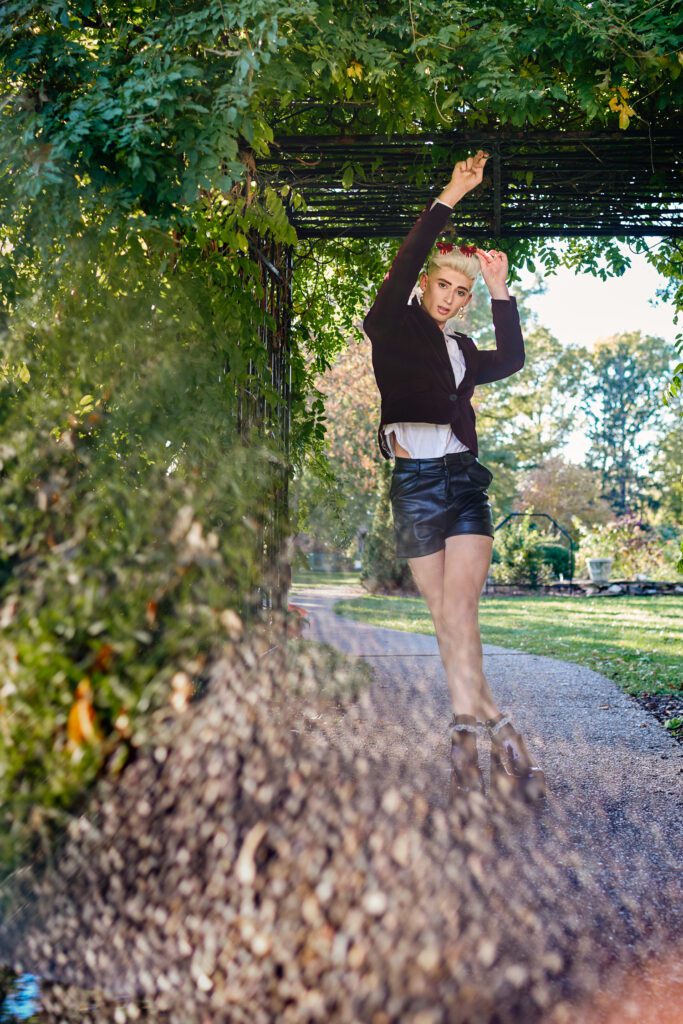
381, 569
621, 401
526, 418
352, 404
565, 491
665, 477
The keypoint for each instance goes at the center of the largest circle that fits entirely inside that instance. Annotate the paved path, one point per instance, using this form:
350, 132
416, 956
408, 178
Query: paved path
614, 774
591, 882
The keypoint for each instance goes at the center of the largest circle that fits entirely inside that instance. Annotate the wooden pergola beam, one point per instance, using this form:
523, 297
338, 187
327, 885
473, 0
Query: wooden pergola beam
537, 184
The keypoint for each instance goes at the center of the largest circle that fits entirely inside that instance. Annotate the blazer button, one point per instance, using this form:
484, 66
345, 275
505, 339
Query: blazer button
453, 398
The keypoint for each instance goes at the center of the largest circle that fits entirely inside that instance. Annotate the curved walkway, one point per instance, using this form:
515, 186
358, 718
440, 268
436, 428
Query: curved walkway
158, 894
614, 774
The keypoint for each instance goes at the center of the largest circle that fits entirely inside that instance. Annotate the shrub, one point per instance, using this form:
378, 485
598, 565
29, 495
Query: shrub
125, 581
558, 557
634, 544
520, 554
381, 570
131, 521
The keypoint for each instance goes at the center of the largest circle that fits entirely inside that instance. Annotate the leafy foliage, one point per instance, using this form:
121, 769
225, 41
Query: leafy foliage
626, 371
666, 476
130, 513
521, 557
565, 491
117, 590
525, 420
382, 571
635, 546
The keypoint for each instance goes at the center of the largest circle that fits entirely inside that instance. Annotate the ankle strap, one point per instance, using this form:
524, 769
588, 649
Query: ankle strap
464, 723
495, 726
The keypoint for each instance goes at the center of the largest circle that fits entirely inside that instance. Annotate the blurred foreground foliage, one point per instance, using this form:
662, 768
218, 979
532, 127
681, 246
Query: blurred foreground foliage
130, 514
130, 307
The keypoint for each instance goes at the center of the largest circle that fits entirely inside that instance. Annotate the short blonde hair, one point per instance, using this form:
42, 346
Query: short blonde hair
454, 260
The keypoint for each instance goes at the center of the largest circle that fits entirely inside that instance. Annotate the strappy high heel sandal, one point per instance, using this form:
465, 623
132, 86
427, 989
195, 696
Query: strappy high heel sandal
512, 770
466, 776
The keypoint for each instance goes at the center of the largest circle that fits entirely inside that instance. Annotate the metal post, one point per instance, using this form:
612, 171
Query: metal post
497, 190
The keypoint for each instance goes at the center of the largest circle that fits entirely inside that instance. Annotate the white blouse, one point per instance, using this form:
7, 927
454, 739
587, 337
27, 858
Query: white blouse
430, 440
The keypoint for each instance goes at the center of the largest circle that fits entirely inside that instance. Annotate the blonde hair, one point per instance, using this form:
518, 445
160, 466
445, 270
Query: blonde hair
454, 260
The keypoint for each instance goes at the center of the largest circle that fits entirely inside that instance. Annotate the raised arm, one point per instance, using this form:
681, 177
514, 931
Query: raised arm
508, 356
394, 292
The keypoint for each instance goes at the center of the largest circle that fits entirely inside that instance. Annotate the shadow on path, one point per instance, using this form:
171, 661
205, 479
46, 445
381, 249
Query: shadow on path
274, 855
614, 775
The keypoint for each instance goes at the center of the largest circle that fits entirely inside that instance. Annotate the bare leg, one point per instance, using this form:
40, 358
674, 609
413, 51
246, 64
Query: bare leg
451, 582
466, 564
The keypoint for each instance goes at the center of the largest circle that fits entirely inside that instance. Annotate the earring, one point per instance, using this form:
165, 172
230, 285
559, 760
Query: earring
461, 313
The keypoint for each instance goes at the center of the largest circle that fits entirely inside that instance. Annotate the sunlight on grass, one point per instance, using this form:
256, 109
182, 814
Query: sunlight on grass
636, 641
309, 577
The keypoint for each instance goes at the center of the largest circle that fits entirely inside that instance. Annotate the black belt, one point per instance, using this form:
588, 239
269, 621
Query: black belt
451, 458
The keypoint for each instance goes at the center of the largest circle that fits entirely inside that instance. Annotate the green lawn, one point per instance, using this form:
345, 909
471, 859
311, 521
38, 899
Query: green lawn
307, 577
636, 641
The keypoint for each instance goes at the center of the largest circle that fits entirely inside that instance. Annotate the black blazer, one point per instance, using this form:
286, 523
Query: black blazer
409, 354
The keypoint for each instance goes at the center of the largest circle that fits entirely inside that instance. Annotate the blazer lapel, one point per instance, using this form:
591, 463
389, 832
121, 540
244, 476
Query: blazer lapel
468, 354
441, 349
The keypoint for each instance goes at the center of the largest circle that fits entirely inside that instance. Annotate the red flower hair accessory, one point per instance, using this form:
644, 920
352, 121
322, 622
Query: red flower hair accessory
468, 250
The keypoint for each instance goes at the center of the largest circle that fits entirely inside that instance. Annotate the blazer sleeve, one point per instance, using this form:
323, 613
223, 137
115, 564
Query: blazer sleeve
394, 292
508, 355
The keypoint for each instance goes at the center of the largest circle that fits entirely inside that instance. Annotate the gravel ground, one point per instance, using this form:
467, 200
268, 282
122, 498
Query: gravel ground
582, 728
614, 774
271, 855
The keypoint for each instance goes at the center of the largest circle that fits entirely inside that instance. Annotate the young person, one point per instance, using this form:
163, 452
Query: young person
426, 374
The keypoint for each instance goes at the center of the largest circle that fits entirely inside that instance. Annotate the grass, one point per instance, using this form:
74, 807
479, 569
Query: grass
309, 577
636, 641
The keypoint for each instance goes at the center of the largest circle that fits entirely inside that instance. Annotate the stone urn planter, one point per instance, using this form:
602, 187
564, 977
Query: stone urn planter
599, 569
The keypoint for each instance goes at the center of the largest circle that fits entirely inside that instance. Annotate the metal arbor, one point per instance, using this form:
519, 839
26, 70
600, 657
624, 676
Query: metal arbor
264, 407
536, 184
558, 528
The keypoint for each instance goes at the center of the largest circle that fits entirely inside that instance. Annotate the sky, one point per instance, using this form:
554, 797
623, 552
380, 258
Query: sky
579, 309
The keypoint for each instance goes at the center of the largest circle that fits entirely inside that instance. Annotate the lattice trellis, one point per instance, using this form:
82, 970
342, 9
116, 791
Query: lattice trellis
266, 408
536, 184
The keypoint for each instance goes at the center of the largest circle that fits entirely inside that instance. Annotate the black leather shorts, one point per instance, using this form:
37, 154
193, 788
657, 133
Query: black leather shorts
432, 499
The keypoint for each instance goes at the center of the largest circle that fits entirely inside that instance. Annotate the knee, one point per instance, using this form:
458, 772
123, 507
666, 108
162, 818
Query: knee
459, 619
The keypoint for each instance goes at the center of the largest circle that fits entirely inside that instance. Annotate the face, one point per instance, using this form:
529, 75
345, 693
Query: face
445, 291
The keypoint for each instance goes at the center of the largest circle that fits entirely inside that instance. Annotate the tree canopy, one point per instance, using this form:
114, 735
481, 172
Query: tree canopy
134, 196
147, 123
142, 104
